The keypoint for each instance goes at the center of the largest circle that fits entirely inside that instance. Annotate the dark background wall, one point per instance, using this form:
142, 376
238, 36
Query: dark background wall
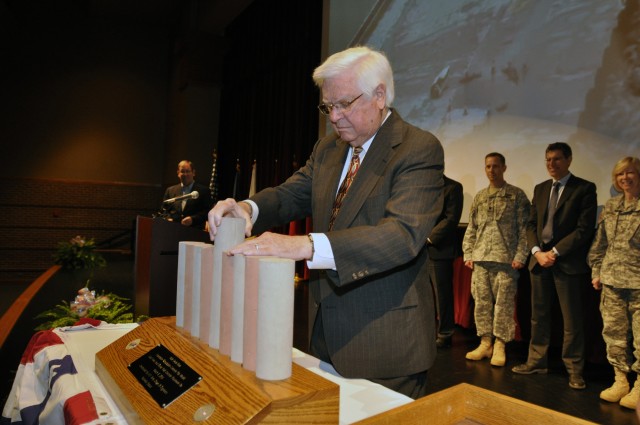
99, 100
84, 97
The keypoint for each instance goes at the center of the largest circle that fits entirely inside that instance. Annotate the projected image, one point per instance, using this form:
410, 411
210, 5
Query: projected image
514, 76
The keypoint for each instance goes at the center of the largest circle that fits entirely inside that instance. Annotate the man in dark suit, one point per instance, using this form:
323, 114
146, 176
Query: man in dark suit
368, 258
560, 229
443, 247
189, 212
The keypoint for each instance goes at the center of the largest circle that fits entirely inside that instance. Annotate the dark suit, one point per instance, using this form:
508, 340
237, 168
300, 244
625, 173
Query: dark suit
443, 248
197, 209
377, 307
573, 229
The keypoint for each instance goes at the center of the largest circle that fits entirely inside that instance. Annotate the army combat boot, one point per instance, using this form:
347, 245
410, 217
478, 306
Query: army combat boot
485, 349
630, 401
619, 389
499, 357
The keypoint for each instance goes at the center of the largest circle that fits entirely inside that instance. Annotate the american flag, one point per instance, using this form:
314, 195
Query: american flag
213, 182
50, 388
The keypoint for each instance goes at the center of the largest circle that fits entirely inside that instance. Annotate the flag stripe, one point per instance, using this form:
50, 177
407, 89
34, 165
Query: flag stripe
47, 387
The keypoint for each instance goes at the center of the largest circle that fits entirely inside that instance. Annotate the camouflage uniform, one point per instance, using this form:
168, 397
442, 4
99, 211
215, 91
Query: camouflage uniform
615, 258
495, 237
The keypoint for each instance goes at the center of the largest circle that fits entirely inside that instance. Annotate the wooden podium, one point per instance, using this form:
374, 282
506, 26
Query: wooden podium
230, 393
156, 264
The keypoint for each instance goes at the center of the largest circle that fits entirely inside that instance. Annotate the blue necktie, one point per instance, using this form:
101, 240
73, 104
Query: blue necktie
547, 231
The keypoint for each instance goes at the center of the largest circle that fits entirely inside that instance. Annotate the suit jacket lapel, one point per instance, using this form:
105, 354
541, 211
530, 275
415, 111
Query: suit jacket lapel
543, 203
177, 191
566, 192
328, 181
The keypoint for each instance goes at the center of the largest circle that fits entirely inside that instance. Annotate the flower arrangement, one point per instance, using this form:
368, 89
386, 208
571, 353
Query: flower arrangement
110, 308
78, 253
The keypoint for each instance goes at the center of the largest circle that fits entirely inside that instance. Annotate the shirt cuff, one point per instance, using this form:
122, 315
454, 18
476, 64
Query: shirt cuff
254, 210
323, 255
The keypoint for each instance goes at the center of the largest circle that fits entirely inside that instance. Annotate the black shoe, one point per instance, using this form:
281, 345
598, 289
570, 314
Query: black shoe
528, 369
443, 342
576, 382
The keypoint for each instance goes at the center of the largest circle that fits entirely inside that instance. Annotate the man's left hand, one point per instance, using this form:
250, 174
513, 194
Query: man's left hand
277, 245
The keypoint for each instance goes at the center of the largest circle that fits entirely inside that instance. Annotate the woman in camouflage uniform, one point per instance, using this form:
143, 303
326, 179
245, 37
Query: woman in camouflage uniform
615, 261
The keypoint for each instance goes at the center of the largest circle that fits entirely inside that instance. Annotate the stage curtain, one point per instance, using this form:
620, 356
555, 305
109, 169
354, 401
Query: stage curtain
462, 300
268, 99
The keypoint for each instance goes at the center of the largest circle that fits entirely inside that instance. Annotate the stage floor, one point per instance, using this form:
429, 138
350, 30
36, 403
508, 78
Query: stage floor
551, 391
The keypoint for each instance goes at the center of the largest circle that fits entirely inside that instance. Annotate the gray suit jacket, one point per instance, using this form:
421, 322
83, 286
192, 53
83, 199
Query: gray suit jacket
573, 223
378, 310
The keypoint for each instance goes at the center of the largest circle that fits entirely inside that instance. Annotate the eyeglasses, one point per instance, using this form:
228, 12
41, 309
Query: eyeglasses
342, 106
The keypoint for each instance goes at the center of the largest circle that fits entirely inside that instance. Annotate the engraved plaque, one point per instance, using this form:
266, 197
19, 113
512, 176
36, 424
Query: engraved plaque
164, 375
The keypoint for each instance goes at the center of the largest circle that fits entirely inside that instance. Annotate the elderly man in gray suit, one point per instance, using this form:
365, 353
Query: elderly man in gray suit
374, 190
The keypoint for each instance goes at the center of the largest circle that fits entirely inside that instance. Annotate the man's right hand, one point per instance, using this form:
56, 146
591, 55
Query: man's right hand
546, 259
229, 207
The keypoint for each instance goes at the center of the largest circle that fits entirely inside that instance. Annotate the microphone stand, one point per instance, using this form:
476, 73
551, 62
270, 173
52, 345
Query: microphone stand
162, 213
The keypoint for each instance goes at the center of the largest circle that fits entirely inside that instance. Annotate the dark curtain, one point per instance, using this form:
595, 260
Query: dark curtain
268, 100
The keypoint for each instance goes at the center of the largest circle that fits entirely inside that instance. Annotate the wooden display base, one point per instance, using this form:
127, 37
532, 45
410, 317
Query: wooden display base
238, 397
467, 404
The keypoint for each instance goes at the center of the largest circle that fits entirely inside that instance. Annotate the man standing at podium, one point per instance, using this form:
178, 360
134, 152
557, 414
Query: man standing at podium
374, 190
192, 211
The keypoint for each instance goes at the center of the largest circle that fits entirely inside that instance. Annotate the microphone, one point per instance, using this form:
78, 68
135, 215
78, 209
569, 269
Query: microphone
192, 195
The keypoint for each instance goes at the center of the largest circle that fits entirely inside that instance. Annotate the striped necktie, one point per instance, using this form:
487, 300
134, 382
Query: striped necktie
344, 186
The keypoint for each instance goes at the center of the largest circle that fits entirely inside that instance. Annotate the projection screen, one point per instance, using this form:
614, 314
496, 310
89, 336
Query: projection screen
509, 76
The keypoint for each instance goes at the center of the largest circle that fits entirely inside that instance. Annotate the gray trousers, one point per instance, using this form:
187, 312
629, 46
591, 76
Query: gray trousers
544, 282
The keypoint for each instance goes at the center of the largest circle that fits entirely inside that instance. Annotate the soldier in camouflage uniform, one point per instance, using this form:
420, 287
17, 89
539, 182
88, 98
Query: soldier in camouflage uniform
615, 262
495, 248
